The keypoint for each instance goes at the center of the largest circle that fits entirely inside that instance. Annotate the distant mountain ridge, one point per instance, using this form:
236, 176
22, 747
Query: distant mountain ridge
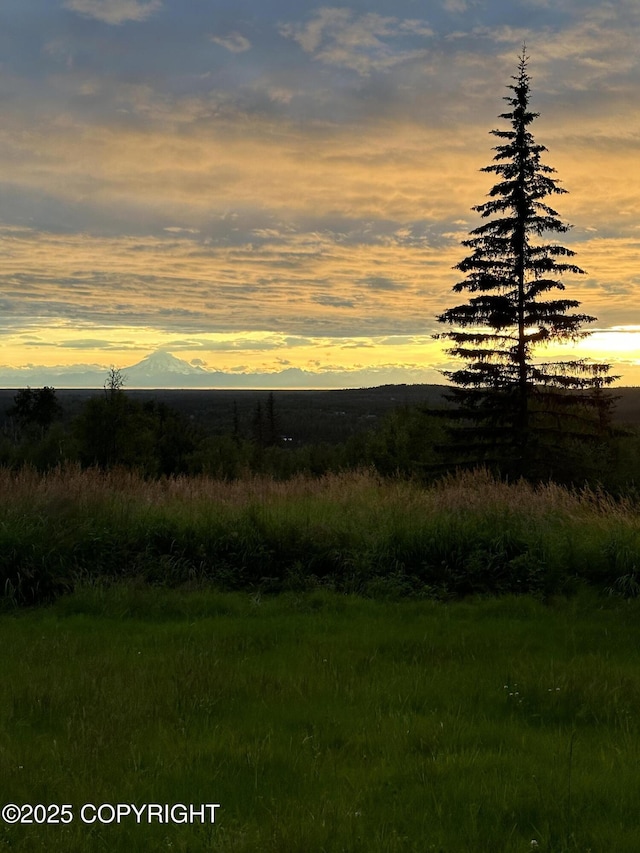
162, 369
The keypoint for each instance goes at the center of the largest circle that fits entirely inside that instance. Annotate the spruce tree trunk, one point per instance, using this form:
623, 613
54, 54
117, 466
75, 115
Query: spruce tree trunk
522, 437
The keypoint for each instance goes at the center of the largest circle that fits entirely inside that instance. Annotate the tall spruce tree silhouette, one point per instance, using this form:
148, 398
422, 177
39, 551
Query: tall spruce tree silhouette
514, 410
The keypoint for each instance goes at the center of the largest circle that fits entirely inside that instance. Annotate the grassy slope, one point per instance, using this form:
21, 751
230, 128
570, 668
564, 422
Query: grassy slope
324, 722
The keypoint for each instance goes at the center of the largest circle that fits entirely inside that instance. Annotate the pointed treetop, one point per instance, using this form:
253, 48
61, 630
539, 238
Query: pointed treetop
524, 59
519, 100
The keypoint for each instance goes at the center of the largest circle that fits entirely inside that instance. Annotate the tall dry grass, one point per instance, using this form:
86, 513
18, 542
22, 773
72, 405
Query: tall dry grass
467, 533
468, 491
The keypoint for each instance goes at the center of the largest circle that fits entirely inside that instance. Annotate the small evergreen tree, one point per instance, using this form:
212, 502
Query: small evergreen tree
511, 408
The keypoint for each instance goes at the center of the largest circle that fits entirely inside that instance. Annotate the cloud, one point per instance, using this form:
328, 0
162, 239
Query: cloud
369, 42
84, 343
334, 301
233, 42
455, 6
114, 11
379, 282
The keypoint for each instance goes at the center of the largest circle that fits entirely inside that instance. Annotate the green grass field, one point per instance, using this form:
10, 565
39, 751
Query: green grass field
325, 722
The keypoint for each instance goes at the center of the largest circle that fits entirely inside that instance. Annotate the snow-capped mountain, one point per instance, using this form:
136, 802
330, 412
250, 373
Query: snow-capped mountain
161, 364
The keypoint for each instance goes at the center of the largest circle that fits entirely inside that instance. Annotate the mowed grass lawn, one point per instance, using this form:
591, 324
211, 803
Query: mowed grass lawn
323, 722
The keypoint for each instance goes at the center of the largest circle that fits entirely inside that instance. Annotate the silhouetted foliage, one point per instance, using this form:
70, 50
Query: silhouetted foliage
173, 438
114, 381
110, 432
517, 411
272, 432
116, 430
33, 432
237, 435
35, 407
257, 426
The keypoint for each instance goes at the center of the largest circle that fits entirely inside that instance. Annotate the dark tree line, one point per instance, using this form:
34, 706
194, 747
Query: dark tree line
35, 408
114, 429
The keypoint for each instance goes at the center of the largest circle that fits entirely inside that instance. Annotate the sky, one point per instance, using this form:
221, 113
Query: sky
256, 185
